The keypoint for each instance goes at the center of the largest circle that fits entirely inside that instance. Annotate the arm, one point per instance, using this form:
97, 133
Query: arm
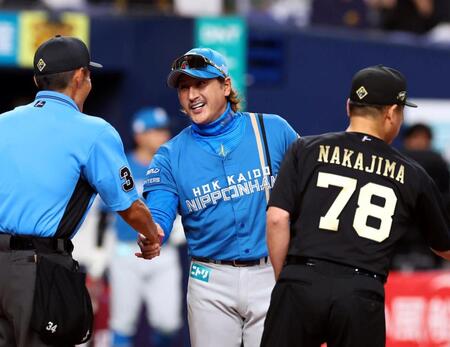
160, 193
282, 208
139, 218
278, 237
433, 218
107, 171
163, 206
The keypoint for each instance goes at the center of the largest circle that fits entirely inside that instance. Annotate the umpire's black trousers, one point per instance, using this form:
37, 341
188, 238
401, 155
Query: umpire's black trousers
17, 282
319, 301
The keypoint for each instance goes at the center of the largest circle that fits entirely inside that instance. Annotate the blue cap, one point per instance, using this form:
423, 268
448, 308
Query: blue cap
218, 68
150, 118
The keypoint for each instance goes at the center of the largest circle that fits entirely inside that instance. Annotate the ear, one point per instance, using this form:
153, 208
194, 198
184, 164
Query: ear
35, 82
390, 113
227, 86
78, 77
347, 106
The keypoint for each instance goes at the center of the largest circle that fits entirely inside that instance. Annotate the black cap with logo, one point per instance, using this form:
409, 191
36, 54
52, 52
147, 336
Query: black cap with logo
379, 85
60, 54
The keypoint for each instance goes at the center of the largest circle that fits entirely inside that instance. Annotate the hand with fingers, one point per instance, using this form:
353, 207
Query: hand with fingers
149, 250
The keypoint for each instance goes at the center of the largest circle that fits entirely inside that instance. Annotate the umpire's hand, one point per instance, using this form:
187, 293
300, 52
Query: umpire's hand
149, 250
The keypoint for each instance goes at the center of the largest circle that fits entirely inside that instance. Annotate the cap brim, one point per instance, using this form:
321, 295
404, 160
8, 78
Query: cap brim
172, 79
96, 65
406, 103
410, 104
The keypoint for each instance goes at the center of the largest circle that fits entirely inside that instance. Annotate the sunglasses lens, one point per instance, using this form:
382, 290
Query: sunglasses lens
189, 62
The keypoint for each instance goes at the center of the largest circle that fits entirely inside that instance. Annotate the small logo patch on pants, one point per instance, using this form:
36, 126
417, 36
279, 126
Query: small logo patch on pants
200, 272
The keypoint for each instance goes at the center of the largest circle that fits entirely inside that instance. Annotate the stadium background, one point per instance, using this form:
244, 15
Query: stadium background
300, 72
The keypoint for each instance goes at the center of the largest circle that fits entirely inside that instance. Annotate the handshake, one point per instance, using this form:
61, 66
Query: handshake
150, 248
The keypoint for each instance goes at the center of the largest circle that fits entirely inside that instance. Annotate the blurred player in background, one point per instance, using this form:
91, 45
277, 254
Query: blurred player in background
133, 282
340, 203
411, 252
417, 144
218, 175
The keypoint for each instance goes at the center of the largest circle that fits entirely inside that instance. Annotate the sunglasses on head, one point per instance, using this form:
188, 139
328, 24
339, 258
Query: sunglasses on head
194, 61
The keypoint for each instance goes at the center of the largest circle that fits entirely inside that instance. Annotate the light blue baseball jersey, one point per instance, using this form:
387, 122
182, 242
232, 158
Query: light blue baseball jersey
220, 196
54, 161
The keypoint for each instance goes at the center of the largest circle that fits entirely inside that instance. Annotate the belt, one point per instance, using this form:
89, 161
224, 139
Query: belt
313, 262
43, 244
235, 263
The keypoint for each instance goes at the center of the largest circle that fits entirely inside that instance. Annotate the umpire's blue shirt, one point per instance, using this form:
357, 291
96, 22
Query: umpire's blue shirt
54, 161
124, 232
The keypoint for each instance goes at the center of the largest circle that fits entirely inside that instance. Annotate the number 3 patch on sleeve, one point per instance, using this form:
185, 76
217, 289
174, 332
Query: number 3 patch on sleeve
125, 175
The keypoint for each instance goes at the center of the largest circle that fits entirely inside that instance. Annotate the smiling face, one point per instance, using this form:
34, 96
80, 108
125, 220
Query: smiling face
204, 100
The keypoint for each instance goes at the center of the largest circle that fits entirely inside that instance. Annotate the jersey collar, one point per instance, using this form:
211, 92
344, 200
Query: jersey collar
51, 95
217, 127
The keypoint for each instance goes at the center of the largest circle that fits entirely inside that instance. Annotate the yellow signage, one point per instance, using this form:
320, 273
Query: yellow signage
37, 27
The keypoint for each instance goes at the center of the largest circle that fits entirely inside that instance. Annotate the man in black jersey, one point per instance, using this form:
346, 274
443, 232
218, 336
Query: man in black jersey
340, 203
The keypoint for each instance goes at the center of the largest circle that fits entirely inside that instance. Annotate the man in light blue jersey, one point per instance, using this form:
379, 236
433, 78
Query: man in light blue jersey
55, 159
151, 283
217, 173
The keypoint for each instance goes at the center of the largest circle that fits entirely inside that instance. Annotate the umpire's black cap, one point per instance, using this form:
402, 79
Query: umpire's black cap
60, 54
379, 85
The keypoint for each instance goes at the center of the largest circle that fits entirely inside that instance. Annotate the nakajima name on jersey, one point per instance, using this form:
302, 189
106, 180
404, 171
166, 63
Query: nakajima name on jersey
247, 183
375, 164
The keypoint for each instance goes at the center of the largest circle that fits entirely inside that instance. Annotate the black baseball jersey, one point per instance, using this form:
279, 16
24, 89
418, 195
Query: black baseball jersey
351, 196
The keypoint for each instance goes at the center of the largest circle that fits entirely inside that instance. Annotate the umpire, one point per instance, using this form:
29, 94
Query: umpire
340, 203
55, 159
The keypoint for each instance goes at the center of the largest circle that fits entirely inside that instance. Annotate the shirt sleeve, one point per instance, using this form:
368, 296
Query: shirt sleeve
285, 190
160, 191
163, 206
433, 217
159, 174
107, 171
